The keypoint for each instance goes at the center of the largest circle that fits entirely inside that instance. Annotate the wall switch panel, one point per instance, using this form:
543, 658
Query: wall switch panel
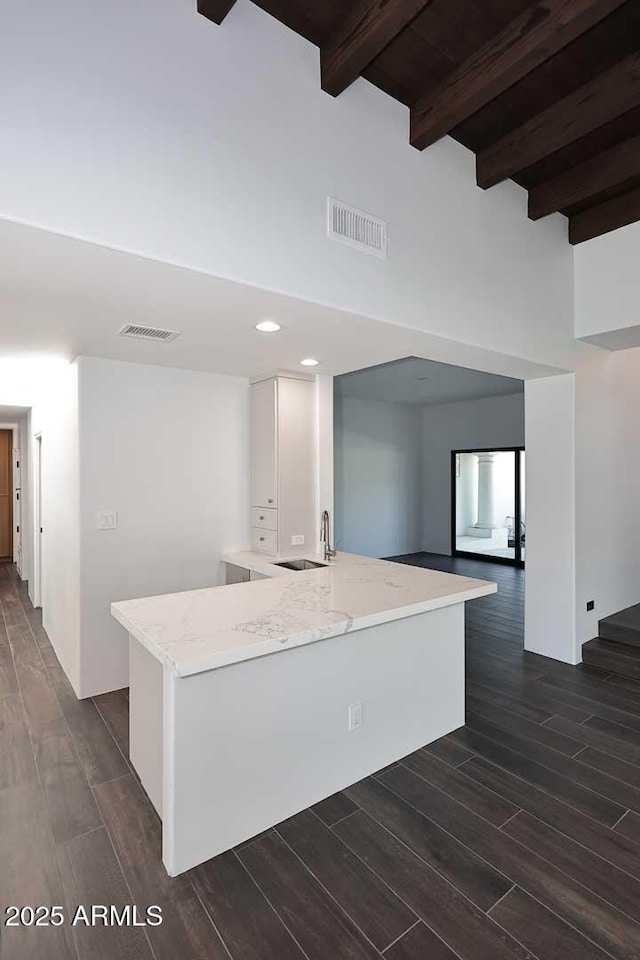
107, 520
355, 716
297, 541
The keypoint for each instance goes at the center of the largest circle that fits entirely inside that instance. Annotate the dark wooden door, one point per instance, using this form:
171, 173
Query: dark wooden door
6, 496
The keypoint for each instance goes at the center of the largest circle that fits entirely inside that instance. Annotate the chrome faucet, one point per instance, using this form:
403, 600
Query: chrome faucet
325, 536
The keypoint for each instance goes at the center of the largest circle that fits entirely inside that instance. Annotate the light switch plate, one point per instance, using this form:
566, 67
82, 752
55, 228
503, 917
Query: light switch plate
107, 520
355, 715
297, 541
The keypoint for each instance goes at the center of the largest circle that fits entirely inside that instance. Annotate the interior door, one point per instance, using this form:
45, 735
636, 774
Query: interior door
6, 495
38, 539
17, 510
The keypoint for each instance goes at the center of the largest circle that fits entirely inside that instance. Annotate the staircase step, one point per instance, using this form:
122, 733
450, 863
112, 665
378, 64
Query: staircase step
622, 627
613, 657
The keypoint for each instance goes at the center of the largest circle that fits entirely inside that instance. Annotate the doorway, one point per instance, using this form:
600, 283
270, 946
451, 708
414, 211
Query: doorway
37, 540
488, 504
6, 495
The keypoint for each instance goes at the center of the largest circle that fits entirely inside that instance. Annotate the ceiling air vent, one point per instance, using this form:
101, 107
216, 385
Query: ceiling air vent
356, 228
147, 333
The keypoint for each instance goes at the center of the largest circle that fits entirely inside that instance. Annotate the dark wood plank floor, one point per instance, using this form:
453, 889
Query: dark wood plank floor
517, 836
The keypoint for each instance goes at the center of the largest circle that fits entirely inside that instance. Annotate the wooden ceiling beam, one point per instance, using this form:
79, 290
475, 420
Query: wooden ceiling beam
368, 27
542, 30
215, 10
605, 217
606, 171
596, 103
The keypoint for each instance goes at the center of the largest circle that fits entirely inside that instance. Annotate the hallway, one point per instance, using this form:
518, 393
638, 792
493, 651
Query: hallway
515, 837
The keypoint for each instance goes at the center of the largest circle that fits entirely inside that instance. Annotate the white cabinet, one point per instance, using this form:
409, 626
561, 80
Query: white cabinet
264, 541
264, 517
264, 443
283, 458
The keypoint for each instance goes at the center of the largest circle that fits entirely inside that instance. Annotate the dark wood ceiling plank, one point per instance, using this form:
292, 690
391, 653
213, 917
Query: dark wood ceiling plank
605, 217
215, 10
597, 50
602, 139
542, 30
601, 100
368, 27
613, 168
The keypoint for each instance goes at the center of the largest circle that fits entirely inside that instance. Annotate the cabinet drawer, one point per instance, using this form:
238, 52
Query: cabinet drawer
270, 502
264, 541
264, 518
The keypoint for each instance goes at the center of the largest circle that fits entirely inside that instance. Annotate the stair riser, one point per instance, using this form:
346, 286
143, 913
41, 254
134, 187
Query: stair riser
613, 663
608, 631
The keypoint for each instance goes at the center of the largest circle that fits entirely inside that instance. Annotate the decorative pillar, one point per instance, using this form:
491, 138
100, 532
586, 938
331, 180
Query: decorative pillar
486, 522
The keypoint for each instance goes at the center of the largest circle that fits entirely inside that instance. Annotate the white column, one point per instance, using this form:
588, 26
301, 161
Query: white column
486, 498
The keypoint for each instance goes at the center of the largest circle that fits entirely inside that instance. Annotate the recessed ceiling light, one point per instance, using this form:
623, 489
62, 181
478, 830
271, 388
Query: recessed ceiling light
268, 326
309, 362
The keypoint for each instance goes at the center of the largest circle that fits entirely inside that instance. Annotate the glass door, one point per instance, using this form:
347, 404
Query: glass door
488, 504
522, 526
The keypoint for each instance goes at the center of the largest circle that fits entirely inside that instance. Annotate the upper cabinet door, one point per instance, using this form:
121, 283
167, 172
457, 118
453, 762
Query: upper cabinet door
264, 444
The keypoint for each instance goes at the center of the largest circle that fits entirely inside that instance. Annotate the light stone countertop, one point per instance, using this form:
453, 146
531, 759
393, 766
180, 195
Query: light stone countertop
201, 630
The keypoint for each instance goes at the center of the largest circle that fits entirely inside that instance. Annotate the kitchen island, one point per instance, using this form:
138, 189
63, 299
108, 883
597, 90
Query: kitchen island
252, 701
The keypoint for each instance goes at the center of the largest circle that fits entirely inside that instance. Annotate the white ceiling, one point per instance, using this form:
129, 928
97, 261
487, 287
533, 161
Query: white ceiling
625, 338
66, 297
11, 414
413, 380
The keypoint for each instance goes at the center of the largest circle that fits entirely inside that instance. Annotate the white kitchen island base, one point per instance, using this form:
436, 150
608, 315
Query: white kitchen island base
229, 752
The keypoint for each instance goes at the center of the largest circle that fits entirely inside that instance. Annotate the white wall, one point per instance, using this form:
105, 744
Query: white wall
607, 390
26, 539
393, 467
607, 291
467, 425
110, 133
377, 477
607, 488
168, 450
50, 389
551, 521
55, 417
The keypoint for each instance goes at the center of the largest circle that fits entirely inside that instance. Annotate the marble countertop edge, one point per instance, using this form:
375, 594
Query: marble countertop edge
187, 666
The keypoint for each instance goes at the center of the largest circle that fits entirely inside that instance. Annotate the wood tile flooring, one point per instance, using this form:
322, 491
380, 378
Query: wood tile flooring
517, 836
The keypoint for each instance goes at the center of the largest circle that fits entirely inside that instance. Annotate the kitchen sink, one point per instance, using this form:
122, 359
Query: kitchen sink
299, 564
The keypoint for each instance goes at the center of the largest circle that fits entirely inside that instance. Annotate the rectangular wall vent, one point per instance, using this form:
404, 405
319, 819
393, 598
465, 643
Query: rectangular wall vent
356, 228
147, 333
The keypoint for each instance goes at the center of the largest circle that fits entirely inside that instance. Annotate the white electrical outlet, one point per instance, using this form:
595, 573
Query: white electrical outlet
297, 541
107, 520
355, 715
